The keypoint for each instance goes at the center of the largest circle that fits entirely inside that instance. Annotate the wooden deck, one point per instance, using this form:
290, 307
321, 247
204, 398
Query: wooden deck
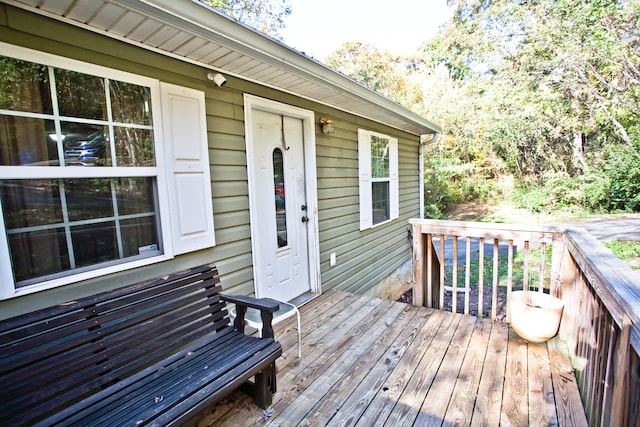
367, 361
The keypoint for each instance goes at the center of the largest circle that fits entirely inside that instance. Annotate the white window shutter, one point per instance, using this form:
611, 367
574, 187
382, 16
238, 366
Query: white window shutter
394, 189
364, 176
187, 163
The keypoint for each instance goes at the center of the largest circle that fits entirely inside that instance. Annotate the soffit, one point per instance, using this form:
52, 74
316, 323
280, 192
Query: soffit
196, 33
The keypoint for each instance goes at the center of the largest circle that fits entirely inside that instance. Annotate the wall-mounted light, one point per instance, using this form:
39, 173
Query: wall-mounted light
218, 79
327, 125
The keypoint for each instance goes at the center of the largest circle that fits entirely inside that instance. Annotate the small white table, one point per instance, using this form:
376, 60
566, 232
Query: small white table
253, 319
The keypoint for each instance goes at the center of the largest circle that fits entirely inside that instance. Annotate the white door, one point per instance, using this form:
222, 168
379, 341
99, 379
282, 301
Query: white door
280, 214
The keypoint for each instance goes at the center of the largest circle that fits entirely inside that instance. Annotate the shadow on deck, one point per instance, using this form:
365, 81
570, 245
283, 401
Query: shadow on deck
367, 361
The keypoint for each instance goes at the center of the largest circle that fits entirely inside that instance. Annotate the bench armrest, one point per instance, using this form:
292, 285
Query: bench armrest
266, 306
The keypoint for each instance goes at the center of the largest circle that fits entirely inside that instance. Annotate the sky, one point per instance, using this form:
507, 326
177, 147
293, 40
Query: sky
318, 27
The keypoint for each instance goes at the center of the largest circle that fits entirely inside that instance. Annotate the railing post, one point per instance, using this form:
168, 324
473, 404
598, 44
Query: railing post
418, 265
620, 408
567, 272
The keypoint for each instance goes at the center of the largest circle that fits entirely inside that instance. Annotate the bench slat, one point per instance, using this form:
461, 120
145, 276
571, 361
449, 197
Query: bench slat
47, 313
171, 383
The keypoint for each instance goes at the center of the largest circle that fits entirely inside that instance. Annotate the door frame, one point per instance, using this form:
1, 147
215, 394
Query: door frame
253, 103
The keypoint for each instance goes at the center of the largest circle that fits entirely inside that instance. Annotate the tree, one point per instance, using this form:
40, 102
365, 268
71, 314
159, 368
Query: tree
550, 87
264, 15
390, 75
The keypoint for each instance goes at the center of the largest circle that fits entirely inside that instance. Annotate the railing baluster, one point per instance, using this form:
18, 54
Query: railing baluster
543, 249
481, 277
419, 266
442, 271
467, 278
509, 276
620, 411
494, 290
525, 267
454, 277
429, 302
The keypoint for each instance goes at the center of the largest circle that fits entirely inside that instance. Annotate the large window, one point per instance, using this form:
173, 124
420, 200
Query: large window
81, 187
378, 171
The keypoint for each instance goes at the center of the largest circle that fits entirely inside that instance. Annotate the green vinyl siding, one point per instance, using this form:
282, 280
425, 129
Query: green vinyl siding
364, 257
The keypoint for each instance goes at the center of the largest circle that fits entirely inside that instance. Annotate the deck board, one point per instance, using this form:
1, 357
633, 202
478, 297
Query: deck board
367, 361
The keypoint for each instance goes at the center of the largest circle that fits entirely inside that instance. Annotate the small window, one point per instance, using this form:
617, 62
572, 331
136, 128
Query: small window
378, 171
279, 194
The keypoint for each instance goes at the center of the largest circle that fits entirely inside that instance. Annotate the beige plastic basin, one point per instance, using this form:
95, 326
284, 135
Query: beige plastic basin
535, 316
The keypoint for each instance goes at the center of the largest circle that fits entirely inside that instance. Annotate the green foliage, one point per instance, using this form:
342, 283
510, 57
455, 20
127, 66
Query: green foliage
264, 15
623, 169
390, 75
447, 180
627, 251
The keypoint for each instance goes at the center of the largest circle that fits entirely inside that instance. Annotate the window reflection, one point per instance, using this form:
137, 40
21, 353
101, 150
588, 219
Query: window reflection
279, 194
27, 141
134, 147
24, 86
40, 253
379, 157
130, 103
80, 95
82, 123
380, 201
85, 145
30, 203
380, 172
57, 225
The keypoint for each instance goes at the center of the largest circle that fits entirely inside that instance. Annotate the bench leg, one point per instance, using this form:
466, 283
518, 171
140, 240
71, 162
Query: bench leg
265, 386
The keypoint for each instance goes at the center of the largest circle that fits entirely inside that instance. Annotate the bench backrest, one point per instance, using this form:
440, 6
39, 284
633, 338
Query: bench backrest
54, 356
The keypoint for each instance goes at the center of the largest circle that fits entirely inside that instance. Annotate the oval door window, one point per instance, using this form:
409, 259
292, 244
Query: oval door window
279, 194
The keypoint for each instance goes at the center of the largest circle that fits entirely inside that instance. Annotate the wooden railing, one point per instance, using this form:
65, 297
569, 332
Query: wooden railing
472, 268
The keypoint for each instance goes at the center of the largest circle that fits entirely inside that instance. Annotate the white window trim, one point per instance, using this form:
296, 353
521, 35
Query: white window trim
161, 172
365, 179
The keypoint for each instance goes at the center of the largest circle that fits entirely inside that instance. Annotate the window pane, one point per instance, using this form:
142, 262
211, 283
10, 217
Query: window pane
140, 236
27, 142
279, 194
380, 201
134, 147
88, 198
135, 195
38, 253
379, 157
24, 86
130, 103
85, 144
29, 203
94, 243
80, 95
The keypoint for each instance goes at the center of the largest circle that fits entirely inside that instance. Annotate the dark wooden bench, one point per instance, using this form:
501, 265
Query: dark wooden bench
154, 353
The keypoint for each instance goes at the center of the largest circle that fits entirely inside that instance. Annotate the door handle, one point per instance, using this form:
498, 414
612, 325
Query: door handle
305, 219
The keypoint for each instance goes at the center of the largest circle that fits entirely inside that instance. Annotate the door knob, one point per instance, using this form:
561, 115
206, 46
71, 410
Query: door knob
305, 219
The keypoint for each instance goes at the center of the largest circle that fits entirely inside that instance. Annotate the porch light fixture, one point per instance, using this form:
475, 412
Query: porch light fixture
218, 79
327, 125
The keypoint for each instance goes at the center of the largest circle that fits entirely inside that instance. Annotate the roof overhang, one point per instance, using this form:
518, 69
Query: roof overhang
193, 32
